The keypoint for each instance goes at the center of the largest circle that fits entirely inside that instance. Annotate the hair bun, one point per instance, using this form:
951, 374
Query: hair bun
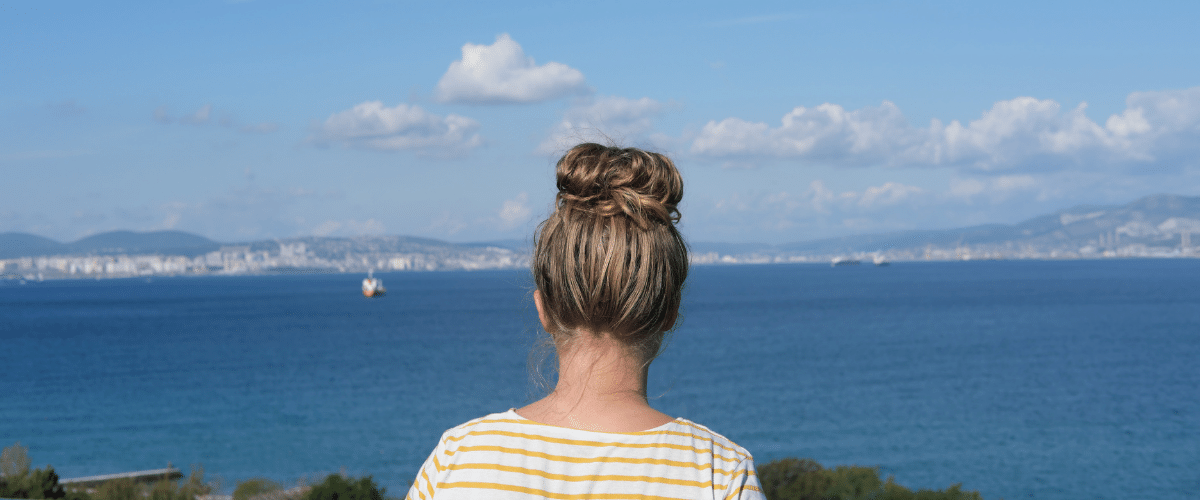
608, 181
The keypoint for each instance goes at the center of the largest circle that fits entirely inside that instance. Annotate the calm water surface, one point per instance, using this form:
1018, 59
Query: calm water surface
1055, 380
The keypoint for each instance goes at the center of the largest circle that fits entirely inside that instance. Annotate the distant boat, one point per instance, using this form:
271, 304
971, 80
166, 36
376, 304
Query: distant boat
372, 286
844, 261
881, 261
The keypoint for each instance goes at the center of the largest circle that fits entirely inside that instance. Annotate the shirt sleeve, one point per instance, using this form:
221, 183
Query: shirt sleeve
425, 484
744, 484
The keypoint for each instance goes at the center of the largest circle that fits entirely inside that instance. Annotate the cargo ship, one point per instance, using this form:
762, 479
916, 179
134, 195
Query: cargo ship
372, 286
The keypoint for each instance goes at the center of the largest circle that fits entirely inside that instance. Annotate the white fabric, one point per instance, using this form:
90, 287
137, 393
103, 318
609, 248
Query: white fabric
506, 456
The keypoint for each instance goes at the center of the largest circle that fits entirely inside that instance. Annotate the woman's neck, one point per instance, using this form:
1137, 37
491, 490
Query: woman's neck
601, 387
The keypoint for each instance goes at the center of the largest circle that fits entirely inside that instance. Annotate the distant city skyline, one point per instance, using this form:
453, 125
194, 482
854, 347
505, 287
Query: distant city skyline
250, 120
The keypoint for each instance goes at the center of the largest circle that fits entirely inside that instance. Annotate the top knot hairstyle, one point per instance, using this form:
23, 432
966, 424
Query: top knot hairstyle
609, 260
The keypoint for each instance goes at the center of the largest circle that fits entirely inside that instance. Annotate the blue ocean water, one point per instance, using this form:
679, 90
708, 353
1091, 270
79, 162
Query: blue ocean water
1021, 379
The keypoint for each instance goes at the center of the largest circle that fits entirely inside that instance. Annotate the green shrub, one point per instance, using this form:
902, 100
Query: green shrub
338, 487
118, 489
793, 479
195, 485
805, 479
163, 490
17, 481
254, 487
78, 495
43, 483
14, 461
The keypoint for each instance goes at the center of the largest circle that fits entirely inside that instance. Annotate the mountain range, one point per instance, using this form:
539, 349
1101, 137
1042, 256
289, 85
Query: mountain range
1155, 222
13, 245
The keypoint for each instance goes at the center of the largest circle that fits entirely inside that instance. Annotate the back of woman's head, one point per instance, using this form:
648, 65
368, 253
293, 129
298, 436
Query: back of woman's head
609, 259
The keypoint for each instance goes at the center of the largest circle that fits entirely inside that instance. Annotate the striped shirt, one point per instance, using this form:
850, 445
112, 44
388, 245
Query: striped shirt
506, 456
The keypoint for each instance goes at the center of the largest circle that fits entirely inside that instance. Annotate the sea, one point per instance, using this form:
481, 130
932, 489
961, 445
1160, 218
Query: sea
1018, 379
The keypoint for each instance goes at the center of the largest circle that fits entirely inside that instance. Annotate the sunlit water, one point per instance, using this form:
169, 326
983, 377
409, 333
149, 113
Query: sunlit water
1058, 380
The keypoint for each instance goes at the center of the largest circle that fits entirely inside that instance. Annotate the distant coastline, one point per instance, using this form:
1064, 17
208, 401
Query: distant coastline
1159, 226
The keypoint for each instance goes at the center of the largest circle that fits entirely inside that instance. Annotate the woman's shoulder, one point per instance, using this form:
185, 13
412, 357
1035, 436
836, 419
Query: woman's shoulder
678, 432
491, 421
721, 445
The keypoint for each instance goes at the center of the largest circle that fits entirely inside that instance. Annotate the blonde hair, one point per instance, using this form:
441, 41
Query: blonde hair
609, 260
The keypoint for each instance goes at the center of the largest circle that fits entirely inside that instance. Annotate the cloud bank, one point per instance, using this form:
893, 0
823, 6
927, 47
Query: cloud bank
1160, 128
371, 125
602, 119
502, 73
515, 211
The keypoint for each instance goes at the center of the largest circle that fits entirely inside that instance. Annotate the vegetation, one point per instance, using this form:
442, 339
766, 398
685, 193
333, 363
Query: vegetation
17, 481
117, 489
14, 461
254, 487
784, 479
805, 479
339, 487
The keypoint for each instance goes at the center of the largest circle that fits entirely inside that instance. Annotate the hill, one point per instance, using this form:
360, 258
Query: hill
1153, 225
13, 245
130, 242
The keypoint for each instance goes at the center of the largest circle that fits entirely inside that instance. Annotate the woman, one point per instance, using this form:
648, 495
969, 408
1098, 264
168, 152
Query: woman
609, 268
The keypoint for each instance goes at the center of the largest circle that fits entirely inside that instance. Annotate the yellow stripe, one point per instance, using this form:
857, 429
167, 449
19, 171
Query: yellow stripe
640, 433
705, 429
598, 444
549, 494
579, 460
740, 473
533, 422
594, 477
428, 483
737, 493
415, 487
436, 465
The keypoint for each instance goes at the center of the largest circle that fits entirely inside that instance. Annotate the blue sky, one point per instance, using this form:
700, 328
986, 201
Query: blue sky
790, 121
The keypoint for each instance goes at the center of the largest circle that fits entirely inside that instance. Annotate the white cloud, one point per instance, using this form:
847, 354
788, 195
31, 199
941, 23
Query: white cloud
447, 223
502, 73
996, 188
1014, 182
826, 132
819, 196
821, 199
966, 188
199, 117
816, 212
515, 211
369, 226
603, 119
161, 115
171, 220
326, 228
889, 193
370, 125
1159, 128
349, 227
